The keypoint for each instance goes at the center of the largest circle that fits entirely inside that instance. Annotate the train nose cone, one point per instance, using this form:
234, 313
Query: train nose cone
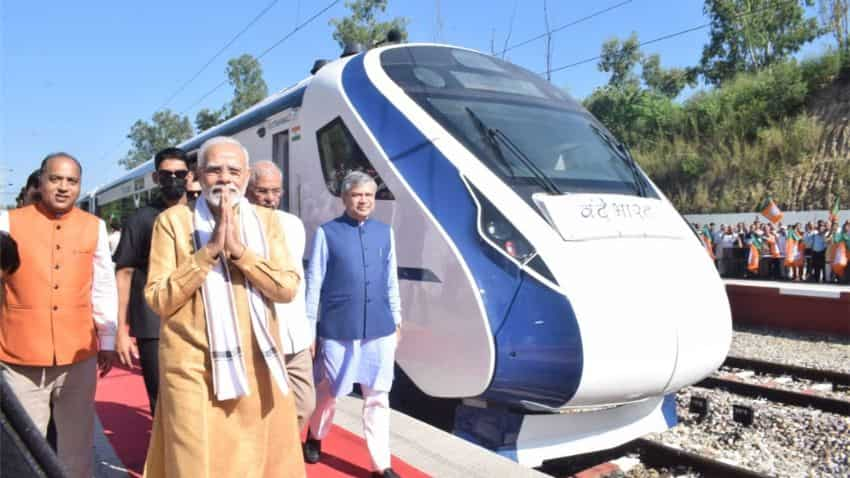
652, 313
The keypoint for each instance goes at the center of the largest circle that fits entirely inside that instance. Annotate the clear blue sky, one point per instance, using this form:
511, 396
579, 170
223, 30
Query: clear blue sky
74, 76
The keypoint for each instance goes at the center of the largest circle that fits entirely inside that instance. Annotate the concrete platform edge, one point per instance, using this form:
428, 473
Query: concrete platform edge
432, 450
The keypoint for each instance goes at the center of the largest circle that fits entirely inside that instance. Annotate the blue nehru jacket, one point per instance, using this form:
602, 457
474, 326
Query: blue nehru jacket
352, 284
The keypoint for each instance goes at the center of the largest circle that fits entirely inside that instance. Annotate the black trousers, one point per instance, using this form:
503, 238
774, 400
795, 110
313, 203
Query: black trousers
818, 263
149, 359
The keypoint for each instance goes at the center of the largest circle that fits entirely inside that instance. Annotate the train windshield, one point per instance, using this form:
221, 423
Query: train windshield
531, 134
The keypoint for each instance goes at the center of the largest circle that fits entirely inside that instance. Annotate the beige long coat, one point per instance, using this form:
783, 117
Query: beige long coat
194, 435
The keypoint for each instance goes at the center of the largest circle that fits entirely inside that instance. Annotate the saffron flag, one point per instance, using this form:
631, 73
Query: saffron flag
833, 214
774, 248
753, 259
793, 256
771, 211
839, 262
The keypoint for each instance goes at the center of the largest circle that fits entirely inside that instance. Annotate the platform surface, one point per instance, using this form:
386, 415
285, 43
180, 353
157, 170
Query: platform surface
809, 289
800, 306
419, 450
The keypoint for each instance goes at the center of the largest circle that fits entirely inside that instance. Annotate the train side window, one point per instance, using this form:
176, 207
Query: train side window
340, 155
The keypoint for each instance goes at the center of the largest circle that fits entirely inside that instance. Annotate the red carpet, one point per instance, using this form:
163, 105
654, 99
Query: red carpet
122, 406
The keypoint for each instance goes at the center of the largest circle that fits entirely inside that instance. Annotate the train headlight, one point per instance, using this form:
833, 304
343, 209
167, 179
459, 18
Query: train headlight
498, 230
502, 235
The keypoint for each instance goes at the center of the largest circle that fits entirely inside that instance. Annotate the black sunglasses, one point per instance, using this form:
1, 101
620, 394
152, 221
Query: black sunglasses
173, 174
193, 194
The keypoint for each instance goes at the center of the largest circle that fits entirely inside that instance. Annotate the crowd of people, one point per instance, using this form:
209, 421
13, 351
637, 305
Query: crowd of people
241, 348
814, 252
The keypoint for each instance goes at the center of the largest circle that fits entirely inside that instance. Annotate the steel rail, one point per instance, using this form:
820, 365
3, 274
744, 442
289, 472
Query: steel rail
651, 454
756, 365
773, 394
657, 455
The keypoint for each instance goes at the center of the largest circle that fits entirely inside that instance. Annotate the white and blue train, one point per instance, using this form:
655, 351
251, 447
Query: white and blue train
547, 284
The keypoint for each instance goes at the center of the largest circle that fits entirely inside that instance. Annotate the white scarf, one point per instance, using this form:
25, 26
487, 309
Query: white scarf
228, 361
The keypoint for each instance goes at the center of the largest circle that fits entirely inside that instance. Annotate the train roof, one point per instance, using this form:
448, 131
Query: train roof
286, 98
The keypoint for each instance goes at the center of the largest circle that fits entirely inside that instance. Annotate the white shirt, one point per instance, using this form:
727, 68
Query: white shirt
296, 334
104, 292
114, 239
725, 241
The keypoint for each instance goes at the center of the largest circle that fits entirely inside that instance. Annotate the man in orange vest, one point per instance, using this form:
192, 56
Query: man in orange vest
59, 306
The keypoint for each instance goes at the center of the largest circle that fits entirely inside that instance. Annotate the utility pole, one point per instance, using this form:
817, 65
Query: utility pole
438, 22
548, 42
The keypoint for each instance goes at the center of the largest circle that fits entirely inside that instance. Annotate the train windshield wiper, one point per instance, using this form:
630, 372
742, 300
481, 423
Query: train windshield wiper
494, 135
494, 145
621, 152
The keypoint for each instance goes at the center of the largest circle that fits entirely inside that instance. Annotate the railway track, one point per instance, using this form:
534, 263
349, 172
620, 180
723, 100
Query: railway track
781, 395
654, 455
762, 366
659, 455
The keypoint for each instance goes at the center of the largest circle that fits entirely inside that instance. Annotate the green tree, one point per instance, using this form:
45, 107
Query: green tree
636, 112
666, 81
362, 25
249, 88
747, 35
620, 58
165, 129
245, 75
835, 18
207, 118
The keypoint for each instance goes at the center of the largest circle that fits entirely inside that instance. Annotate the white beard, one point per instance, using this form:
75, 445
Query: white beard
213, 195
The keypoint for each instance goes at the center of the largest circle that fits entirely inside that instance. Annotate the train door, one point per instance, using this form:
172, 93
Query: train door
280, 156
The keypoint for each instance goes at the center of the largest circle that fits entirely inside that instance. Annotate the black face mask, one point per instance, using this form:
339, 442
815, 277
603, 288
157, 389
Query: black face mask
172, 188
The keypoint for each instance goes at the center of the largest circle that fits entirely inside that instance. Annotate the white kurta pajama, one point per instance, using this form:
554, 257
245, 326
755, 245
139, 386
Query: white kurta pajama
339, 364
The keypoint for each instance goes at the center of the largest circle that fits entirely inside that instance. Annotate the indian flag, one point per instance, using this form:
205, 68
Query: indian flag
833, 214
839, 262
706, 241
771, 211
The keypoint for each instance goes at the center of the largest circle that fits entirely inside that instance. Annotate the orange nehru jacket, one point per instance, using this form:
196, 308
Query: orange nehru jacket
47, 316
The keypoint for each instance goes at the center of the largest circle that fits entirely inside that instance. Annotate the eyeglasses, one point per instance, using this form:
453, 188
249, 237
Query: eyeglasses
181, 174
193, 194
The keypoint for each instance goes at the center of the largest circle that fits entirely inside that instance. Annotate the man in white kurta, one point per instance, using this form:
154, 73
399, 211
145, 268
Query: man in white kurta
352, 294
265, 188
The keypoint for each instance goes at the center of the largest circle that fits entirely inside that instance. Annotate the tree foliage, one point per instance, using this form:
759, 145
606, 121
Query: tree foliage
619, 58
667, 82
249, 88
165, 129
362, 25
245, 75
207, 118
835, 18
773, 129
747, 35
637, 107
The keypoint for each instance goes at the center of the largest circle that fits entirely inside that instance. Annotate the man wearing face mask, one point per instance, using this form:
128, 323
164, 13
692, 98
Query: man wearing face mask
131, 270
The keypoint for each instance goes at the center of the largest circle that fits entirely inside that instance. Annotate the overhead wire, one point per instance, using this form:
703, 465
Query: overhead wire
224, 82
195, 76
665, 37
267, 51
567, 25
219, 52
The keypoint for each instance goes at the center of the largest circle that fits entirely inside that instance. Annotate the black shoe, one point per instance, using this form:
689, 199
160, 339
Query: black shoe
312, 450
388, 473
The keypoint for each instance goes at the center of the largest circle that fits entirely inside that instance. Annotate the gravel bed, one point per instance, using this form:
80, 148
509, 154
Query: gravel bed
794, 348
640, 471
783, 441
784, 382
